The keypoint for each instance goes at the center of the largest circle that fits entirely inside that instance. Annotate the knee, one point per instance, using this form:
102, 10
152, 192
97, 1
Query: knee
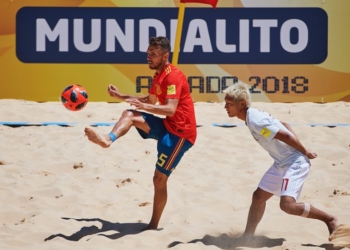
159, 182
127, 114
257, 197
287, 207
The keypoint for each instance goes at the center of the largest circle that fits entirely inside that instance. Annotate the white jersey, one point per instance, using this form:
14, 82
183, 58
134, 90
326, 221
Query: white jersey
264, 127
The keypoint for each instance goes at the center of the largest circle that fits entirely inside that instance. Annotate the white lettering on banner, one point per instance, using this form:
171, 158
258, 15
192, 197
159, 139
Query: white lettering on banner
285, 35
78, 35
60, 31
145, 24
221, 37
114, 31
265, 26
197, 35
203, 40
173, 27
244, 35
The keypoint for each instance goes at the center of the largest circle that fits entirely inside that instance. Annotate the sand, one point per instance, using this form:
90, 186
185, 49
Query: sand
60, 191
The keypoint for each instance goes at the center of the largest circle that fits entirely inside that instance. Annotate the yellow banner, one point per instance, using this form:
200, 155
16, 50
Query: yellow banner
328, 81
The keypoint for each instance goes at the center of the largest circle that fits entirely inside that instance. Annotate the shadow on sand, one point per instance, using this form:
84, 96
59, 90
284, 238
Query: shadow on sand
225, 241
328, 246
122, 229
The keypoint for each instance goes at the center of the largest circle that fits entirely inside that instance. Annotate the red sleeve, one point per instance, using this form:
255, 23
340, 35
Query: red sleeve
174, 86
152, 90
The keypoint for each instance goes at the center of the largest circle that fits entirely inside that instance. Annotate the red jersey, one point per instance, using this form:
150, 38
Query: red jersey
171, 83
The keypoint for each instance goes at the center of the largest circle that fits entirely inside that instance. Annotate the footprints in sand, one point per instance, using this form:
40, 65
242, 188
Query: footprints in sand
143, 204
24, 220
129, 181
78, 165
338, 192
124, 182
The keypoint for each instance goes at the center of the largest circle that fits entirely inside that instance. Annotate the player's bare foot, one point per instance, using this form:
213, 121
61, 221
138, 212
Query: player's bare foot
332, 225
99, 139
246, 235
149, 228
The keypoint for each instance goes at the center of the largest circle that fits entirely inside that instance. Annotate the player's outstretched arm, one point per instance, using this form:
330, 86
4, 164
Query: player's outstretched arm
114, 92
168, 109
294, 142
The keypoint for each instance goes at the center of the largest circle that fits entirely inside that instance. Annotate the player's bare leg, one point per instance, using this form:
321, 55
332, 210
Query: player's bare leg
289, 206
330, 220
128, 119
256, 211
160, 198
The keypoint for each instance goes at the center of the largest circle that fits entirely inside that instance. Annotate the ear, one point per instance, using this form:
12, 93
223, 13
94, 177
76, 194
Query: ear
166, 56
242, 104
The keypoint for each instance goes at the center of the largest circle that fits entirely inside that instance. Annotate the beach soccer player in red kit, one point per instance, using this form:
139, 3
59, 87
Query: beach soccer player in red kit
175, 133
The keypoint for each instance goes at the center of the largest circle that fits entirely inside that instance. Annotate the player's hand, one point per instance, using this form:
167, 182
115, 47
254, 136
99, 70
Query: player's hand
113, 91
310, 154
135, 102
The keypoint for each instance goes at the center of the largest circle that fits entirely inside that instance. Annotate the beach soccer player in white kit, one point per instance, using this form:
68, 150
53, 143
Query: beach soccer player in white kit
286, 176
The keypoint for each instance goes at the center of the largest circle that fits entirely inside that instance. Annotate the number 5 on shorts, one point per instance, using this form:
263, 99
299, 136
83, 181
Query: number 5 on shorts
161, 160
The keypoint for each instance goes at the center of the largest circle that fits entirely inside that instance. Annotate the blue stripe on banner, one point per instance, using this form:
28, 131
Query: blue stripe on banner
95, 124
14, 123
58, 123
330, 125
18, 124
227, 125
64, 124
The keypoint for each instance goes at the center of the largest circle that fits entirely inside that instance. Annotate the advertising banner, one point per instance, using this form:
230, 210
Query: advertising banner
287, 51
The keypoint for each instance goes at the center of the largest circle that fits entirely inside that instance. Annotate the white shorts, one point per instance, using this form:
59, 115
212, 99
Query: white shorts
286, 181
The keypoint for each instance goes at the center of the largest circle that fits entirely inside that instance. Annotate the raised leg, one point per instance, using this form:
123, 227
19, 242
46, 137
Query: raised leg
128, 119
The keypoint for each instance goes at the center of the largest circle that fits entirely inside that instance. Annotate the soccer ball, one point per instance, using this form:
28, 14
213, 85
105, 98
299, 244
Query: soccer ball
74, 97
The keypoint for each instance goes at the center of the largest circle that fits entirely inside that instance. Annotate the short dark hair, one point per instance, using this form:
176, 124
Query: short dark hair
162, 42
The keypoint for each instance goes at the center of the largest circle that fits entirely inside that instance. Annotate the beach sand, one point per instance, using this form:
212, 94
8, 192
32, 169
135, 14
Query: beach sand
60, 191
